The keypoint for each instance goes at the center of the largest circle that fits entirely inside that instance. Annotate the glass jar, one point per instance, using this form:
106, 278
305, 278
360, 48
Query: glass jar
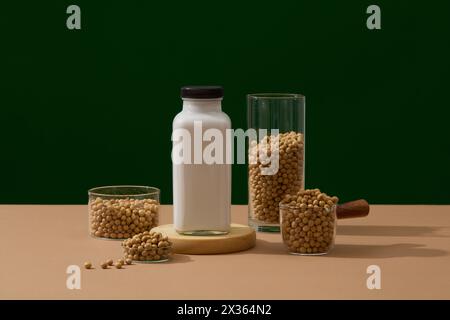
147, 247
120, 212
276, 155
308, 232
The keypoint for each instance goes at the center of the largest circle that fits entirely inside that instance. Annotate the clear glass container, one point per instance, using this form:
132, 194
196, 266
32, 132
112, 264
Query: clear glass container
147, 247
306, 231
120, 212
275, 155
153, 261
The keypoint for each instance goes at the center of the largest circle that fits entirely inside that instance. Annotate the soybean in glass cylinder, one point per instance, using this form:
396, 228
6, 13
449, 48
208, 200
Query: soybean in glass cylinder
275, 155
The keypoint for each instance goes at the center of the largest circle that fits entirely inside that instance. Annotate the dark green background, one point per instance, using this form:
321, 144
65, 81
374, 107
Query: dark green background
94, 107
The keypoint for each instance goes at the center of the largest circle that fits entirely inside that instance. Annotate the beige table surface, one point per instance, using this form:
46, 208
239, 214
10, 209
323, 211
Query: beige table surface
411, 245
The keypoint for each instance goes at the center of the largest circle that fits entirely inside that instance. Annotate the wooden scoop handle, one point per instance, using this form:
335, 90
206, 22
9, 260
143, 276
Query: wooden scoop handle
353, 209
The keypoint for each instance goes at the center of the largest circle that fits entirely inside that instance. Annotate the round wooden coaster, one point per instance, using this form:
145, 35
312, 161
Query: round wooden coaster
240, 238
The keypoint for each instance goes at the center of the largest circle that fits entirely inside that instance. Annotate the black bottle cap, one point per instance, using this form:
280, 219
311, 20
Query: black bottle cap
202, 92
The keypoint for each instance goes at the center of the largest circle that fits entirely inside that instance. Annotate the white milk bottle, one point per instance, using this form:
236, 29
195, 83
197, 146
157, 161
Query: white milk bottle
201, 158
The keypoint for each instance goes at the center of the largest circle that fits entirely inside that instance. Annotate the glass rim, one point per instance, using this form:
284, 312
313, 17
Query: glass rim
275, 96
96, 191
296, 206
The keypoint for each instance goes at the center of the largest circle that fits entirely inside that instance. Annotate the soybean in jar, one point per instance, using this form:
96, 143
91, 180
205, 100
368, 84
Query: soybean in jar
120, 212
308, 222
275, 156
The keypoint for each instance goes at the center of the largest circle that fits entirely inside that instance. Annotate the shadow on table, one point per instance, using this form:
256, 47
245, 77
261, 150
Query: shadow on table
399, 250
266, 247
394, 231
179, 258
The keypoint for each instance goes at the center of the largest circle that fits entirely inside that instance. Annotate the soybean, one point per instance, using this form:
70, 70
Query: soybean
121, 218
268, 188
147, 246
308, 221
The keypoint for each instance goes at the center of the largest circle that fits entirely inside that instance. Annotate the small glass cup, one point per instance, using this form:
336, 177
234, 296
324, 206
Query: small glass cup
143, 249
162, 257
120, 212
308, 232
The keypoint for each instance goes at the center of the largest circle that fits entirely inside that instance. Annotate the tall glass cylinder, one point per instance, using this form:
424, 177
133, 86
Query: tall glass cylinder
275, 156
